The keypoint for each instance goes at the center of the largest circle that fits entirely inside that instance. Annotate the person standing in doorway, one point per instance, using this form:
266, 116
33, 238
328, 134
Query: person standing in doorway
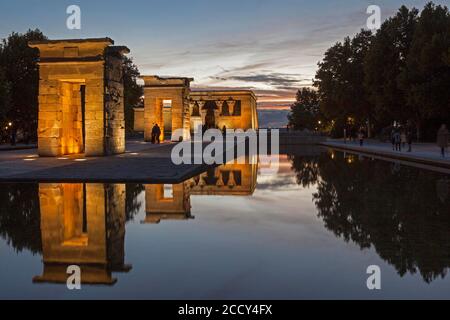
153, 134
157, 133
442, 139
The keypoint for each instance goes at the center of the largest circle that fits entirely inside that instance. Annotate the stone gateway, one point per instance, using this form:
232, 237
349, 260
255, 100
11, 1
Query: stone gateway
80, 97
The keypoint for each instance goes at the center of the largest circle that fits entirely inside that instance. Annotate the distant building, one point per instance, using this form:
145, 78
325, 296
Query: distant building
170, 103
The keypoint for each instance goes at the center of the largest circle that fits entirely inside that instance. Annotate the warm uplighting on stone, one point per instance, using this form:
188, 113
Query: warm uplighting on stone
191, 110
80, 97
82, 224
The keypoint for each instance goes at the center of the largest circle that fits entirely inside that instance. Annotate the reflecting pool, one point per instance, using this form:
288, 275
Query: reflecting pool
308, 230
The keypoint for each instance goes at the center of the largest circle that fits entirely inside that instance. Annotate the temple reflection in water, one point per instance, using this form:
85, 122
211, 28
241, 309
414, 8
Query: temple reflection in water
84, 224
369, 203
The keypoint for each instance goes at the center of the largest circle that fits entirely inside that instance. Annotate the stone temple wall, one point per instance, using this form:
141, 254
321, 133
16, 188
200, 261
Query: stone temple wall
68, 69
114, 105
158, 89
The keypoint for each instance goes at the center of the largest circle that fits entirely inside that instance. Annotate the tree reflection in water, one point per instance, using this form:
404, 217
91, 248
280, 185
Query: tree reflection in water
19, 216
403, 212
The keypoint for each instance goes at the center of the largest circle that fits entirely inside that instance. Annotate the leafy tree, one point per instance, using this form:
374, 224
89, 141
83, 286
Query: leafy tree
339, 80
132, 91
305, 112
384, 62
427, 74
19, 63
5, 98
20, 218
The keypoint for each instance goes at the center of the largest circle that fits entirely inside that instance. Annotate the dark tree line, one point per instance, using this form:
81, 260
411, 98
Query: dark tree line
398, 74
19, 84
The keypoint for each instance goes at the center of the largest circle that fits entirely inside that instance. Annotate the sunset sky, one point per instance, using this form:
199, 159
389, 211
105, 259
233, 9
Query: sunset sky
270, 46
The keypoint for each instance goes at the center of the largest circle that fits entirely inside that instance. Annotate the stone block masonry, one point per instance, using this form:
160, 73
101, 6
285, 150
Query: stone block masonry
80, 97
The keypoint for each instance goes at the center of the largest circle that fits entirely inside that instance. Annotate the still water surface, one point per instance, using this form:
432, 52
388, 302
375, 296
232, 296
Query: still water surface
309, 230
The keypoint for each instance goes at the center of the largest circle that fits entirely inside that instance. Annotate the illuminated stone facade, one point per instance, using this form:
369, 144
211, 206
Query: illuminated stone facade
80, 97
158, 90
232, 109
84, 225
171, 104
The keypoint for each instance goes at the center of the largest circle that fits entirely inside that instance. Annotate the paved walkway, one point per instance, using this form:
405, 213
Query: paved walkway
142, 163
19, 146
423, 153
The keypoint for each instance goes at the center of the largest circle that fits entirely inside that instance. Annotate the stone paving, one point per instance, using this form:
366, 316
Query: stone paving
423, 153
142, 163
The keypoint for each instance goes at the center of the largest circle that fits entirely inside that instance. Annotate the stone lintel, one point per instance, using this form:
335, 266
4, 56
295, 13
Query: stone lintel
217, 94
168, 82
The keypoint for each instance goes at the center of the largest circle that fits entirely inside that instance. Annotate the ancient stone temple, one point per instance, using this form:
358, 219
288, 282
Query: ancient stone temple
170, 103
83, 225
229, 109
80, 97
166, 104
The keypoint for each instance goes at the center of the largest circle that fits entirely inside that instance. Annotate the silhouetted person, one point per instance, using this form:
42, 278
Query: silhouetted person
13, 137
345, 134
409, 138
224, 130
393, 139
156, 132
361, 138
403, 138
397, 141
442, 139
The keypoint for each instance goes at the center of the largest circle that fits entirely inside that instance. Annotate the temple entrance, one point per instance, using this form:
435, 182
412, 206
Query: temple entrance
210, 119
210, 116
167, 119
166, 103
80, 97
72, 107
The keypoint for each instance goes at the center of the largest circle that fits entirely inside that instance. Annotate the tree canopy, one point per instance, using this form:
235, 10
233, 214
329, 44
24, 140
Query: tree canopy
21, 77
399, 74
305, 112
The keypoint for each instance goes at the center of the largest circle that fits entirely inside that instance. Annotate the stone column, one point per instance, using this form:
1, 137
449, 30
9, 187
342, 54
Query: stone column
231, 104
219, 105
201, 104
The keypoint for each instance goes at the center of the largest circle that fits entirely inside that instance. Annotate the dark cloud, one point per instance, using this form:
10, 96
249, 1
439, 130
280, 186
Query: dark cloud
280, 81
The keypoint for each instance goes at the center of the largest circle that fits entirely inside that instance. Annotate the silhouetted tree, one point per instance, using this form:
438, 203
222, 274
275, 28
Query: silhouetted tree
132, 204
339, 79
385, 60
132, 92
305, 112
19, 63
20, 216
427, 74
5, 97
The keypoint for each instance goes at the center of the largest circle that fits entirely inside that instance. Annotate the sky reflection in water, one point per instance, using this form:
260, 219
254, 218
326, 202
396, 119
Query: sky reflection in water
308, 231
